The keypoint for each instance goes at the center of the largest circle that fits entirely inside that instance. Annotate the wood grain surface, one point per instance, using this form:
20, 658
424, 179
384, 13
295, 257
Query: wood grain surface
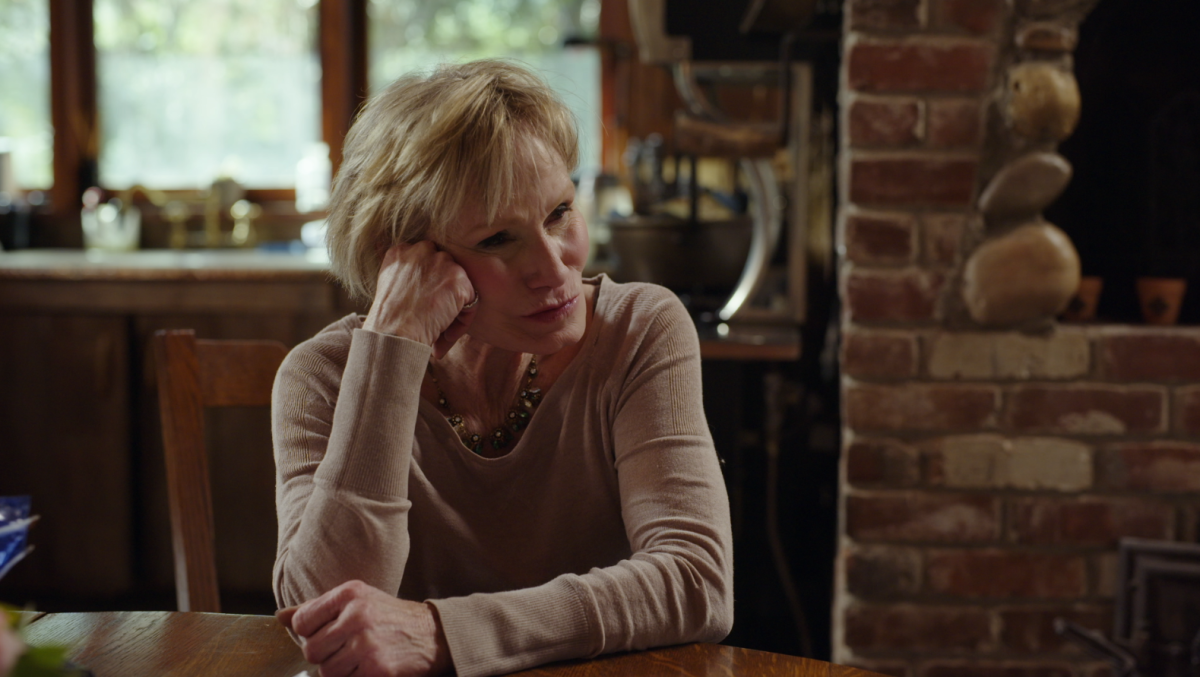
697, 660
168, 643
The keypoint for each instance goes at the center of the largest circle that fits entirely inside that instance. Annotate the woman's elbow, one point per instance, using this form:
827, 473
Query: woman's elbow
720, 617
714, 612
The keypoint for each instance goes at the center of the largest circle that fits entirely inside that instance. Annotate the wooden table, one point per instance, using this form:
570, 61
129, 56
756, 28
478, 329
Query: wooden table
168, 643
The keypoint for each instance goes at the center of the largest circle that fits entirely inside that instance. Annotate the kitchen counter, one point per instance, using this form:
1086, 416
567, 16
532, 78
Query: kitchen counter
230, 266
170, 282
162, 264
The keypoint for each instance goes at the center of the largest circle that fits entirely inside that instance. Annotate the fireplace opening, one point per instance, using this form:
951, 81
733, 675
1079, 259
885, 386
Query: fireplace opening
1133, 206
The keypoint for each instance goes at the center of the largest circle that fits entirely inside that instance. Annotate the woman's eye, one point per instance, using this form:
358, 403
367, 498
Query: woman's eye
493, 241
559, 212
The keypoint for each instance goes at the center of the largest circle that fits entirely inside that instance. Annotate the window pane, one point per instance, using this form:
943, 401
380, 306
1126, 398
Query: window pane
25, 127
407, 35
191, 90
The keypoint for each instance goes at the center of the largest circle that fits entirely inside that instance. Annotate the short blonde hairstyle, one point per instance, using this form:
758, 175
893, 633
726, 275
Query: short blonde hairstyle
422, 147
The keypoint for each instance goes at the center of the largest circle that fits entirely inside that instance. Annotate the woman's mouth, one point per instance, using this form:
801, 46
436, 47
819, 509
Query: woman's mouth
555, 312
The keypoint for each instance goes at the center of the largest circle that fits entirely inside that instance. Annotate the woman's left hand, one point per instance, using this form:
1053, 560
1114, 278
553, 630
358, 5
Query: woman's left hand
358, 629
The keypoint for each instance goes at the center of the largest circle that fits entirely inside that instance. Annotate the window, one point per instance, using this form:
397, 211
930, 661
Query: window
172, 94
190, 91
25, 129
407, 35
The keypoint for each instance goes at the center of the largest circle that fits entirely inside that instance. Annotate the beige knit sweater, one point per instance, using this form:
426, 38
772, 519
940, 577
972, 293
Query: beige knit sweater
605, 528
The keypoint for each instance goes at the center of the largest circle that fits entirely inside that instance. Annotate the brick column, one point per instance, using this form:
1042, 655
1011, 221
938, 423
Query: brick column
986, 475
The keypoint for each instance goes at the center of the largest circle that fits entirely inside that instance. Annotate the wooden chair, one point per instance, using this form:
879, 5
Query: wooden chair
192, 375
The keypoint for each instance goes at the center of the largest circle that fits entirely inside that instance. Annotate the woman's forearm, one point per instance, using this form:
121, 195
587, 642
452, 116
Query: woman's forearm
342, 495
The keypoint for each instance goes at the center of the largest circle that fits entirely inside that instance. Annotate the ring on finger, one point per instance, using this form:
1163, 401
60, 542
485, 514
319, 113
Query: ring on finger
474, 302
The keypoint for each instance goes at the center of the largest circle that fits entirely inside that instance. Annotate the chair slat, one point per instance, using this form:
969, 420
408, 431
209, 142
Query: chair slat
193, 375
188, 492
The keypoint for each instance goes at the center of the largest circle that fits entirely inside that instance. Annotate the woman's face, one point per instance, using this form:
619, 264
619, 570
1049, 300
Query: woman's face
527, 264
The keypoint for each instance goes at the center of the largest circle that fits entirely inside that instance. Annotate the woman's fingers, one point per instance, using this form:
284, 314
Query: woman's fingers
457, 329
284, 616
355, 629
344, 663
322, 646
419, 294
317, 613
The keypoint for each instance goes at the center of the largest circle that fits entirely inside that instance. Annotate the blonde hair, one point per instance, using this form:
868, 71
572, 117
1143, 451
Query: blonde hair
422, 147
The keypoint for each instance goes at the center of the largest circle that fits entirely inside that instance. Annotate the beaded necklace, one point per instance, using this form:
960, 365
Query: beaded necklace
528, 399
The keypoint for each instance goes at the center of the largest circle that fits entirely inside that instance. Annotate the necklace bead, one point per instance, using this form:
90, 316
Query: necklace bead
517, 418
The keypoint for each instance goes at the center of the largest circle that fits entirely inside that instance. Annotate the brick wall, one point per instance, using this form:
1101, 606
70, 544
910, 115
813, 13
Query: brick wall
987, 475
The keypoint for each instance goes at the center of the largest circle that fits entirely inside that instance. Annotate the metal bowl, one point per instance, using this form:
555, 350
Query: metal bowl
678, 254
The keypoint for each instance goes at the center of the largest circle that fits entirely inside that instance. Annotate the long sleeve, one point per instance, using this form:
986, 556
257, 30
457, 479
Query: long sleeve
342, 426
605, 528
677, 584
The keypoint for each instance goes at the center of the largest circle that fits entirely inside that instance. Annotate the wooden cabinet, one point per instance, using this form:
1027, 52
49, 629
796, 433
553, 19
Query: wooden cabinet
79, 425
64, 438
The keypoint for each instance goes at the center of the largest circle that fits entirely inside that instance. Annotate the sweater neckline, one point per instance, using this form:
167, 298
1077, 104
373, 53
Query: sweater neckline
443, 428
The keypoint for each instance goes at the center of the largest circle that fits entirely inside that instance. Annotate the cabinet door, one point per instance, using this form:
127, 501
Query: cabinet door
64, 440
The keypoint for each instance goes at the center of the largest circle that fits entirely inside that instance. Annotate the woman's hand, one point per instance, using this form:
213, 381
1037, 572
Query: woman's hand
357, 629
421, 295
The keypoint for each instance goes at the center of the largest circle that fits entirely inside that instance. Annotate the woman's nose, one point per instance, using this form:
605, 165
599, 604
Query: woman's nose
544, 265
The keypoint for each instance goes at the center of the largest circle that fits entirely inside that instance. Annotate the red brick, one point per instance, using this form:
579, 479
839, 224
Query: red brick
1087, 409
1150, 466
907, 627
909, 295
919, 406
884, 462
879, 355
884, 15
988, 668
880, 239
920, 66
877, 573
1031, 629
931, 181
1150, 355
1088, 521
1005, 574
884, 123
979, 17
1187, 416
955, 123
942, 236
915, 517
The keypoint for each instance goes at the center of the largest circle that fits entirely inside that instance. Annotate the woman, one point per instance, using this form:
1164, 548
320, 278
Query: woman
503, 464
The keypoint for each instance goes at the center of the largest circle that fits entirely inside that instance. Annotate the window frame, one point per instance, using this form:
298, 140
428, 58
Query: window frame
342, 48
343, 53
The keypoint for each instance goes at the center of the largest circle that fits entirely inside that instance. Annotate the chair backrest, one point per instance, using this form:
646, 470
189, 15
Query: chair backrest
194, 374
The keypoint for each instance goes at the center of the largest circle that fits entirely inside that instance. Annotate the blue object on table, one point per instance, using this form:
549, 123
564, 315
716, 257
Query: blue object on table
14, 527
